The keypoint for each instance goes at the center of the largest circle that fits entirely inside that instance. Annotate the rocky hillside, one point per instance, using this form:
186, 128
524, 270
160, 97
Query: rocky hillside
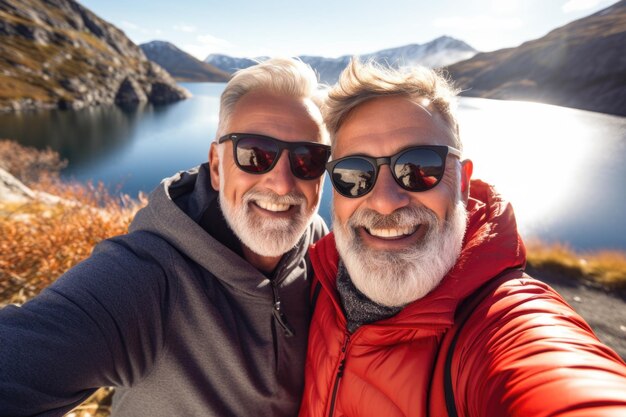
436, 53
58, 54
580, 65
181, 65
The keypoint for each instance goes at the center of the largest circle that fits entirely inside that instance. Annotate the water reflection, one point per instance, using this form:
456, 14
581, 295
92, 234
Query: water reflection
562, 169
129, 149
79, 136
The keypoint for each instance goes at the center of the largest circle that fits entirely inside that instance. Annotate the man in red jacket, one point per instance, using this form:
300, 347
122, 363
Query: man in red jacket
413, 238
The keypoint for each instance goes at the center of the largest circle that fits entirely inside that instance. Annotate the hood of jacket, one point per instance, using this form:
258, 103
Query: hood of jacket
173, 213
491, 245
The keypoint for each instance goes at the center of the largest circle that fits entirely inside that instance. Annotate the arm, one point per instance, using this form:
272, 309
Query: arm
100, 324
525, 352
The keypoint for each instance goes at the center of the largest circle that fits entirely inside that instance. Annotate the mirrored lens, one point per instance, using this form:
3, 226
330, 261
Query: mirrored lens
353, 177
256, 154
418, 169
307, 162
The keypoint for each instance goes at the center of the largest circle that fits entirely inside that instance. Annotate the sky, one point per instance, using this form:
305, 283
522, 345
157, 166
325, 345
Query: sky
331, 28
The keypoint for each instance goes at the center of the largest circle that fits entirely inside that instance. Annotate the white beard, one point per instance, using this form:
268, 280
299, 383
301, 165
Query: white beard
265, 236
397, 278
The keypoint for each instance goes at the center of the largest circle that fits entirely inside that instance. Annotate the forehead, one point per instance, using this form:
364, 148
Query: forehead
283, 117
383, 126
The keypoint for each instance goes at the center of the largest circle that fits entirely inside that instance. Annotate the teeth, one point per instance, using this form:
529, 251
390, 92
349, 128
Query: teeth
272, 206
392, 232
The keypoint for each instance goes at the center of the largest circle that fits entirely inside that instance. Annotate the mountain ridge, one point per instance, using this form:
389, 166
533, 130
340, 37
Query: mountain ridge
181, 65
579, 65
441, 51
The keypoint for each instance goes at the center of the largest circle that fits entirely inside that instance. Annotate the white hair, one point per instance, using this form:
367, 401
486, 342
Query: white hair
361, 82
280, 76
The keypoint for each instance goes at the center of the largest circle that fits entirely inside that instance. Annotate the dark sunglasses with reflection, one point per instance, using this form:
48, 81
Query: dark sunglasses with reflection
416, 169
258, 154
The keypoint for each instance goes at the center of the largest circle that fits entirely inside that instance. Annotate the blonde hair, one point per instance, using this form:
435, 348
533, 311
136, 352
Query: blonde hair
281, 76
360, 82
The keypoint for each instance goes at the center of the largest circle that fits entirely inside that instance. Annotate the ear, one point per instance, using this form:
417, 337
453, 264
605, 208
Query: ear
214, 164
467, 167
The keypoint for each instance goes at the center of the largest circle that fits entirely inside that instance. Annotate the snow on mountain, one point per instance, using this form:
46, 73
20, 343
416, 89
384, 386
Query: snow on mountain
440, 52
230, 64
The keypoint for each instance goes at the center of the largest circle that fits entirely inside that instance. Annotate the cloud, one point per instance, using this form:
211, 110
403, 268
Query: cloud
477, 23
132, 27
129, 25
580, 5
185, 28
205, 45
506, 6
213, 41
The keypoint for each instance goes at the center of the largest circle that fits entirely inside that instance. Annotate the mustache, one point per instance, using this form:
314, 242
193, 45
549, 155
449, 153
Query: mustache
293, 198
402, 217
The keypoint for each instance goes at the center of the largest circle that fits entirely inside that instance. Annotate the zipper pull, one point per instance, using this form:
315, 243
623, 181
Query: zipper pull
279, 315
342, 365
345, 343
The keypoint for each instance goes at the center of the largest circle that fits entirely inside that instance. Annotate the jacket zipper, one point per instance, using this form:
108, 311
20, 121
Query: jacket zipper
340, 369
278, 314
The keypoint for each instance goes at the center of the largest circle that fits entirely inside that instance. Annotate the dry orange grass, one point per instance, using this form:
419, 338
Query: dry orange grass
41, 241
29, 164
605, 267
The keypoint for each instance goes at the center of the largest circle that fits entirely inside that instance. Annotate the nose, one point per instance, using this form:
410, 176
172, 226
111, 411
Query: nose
280, 179
387, 196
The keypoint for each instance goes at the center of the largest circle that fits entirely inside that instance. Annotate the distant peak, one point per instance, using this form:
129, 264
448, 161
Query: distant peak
158, 44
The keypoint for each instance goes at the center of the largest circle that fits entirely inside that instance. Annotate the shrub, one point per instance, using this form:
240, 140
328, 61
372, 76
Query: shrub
27, 164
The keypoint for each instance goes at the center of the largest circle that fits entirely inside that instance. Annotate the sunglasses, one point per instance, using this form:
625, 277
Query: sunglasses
418, 168
258, 154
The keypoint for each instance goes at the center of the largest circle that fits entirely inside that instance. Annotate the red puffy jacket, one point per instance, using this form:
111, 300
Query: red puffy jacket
523, 351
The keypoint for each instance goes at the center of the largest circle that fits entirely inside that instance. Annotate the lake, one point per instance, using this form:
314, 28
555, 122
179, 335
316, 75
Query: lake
564, 170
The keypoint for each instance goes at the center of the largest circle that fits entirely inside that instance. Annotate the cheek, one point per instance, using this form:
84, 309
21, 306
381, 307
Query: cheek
236, 183
440, 200
312, 191
446, 193
344, 207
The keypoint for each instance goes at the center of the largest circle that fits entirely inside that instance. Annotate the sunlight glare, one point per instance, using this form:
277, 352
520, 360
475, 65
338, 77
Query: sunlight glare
542, 177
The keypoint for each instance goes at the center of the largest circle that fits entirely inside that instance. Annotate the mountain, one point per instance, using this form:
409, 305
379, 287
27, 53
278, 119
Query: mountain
328, 69
440, 52
437, 53
58, 54
230, 64
181, 65
580, 65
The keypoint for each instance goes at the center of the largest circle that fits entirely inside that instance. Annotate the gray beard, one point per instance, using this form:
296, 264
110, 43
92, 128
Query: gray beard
266, 237
397, 278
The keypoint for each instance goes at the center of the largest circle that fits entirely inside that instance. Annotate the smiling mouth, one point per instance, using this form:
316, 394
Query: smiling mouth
276, 208
392, 233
